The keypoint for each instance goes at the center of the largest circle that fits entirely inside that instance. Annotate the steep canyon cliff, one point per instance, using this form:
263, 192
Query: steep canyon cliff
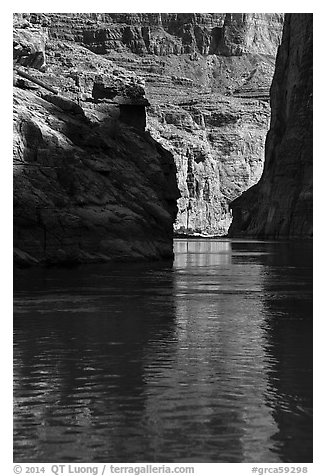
280, 205
90, 184
110, 108
207, 79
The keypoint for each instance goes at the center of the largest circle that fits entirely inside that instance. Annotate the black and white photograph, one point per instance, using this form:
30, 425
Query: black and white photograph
162, 240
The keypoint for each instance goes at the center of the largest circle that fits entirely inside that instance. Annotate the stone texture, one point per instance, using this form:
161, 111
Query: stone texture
244, 33
207, 77
29, 44
218, 154
87, 186
280, 205
164, 34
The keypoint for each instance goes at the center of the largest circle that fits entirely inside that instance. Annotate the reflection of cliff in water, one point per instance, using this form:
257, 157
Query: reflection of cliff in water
253, 300
219, 318
201, 252
80, 361
205, 361
288, 330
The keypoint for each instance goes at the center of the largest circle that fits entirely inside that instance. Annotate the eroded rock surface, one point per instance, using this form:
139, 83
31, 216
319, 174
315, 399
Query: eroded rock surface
88, 186
207, 78
280, 205
218, 154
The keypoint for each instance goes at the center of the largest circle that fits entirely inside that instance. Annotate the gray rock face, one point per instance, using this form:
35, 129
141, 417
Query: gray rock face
87, 185
244, 33
207, 78
280, 205
29, 46
218, 154
164, 34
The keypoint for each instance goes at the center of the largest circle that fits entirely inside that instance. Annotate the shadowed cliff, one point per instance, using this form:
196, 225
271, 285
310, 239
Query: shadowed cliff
280, 205
90, 184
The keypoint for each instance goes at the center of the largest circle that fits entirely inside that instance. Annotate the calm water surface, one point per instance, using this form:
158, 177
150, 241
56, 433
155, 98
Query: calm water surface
208, 359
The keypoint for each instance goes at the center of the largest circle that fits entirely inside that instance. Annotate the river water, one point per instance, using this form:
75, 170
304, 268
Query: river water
207, 359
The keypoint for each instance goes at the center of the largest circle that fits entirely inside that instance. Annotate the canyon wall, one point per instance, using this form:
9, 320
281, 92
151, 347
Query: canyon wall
207, 79
90, 184
280, 205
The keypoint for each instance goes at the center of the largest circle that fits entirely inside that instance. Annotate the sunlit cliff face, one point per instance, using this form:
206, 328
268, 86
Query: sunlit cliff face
201, 74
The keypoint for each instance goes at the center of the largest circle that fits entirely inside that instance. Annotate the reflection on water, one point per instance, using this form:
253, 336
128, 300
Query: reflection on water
208, 359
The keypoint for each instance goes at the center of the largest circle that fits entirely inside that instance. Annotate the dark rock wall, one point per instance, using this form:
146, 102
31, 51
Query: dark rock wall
88, 187
280, 205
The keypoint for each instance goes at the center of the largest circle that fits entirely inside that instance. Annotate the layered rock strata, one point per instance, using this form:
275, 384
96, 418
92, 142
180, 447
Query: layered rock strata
207, 78
218, 154
280, 205
90, 184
